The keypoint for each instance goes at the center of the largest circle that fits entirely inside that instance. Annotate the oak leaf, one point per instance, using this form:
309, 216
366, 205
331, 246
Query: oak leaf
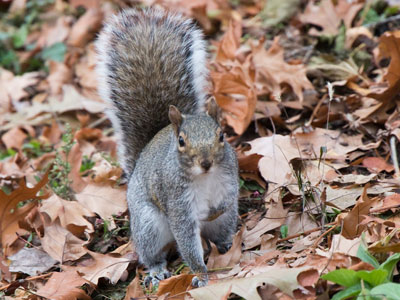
230, 258
64, 286
284, 279
71, 214
329, 16
134, 289
11, 214
102, 265
272, 71
176, 285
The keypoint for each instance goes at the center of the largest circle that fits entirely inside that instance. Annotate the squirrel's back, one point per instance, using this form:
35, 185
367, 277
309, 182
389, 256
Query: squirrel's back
148, 60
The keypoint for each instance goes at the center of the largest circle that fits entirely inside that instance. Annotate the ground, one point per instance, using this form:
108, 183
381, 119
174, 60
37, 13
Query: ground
309, 93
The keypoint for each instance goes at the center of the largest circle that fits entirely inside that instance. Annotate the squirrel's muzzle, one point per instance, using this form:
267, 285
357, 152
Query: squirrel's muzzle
206, 164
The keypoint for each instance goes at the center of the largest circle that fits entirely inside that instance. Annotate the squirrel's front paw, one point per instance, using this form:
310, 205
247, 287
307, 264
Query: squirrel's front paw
199, 282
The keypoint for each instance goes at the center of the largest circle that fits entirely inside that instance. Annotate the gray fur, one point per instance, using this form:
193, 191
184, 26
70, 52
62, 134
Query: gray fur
149, 60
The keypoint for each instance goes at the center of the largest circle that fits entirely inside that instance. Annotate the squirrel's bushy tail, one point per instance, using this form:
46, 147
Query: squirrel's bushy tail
148, 60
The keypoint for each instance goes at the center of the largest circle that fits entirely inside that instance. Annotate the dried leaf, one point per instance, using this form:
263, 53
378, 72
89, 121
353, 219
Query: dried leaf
69, 213
377, 164
11, 214
284, 279
176, 285
111, 267
230, 258
61, 244
134, 289
86, 27
64, 286
31, 261
329, 16
272, 71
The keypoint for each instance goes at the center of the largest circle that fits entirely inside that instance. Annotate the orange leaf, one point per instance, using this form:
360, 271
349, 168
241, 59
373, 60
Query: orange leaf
134, 289
377, 164
272, 71
11, 214
175, 285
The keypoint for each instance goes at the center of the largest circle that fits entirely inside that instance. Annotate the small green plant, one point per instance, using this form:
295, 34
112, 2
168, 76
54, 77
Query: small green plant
251, 186
373, 285
87, 164
58, 177
13, 38
7, 153
34, 148
284, 231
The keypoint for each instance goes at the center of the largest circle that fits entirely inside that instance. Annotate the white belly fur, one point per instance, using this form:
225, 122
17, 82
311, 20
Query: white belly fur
208, 190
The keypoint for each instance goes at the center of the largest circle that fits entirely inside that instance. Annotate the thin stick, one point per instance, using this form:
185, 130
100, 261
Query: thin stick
305, 232
27, 279
393, 153
322, 236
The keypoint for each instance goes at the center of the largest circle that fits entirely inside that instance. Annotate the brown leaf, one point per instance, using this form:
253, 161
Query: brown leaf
14, 138
351, 227
377, 164
61, 244
85, 28
272, 71
52, 133
308, 278
329, 16
16, 85
59, 75
64, 286
75, 159
96, 198
389, 47
230, 42
111, 267
85, 3
176, 285
54, 33
235, 94
230, 258
134, 289
69, 212
11, 214
275, 217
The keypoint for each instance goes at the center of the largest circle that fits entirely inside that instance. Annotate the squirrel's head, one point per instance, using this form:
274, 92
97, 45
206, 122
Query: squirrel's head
199, 139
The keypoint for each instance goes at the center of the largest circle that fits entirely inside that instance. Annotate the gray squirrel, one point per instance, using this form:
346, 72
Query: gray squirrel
182, 174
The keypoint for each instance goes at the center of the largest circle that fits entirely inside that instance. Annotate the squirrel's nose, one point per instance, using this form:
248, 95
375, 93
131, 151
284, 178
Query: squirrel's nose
206, 164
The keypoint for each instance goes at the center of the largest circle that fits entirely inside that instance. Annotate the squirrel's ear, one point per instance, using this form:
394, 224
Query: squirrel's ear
175, 117
213, 109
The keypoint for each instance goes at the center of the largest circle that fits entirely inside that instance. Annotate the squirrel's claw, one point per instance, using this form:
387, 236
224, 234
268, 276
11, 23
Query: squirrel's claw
155, 278
199, 282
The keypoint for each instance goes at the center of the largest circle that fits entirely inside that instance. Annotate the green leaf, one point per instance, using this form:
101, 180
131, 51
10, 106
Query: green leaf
55, 52
389, 290
389, 265
19, 37
347, 293
365, 256
374, 277
284, 231
364, 294
343, 277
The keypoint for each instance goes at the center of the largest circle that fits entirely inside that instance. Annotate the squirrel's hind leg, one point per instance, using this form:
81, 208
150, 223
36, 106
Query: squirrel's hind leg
151, 234
221, 230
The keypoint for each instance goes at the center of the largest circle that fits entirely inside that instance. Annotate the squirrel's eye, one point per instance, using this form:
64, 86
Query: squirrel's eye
181, 141
221, 137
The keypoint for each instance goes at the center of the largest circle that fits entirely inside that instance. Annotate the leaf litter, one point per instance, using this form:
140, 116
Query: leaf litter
309, 98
